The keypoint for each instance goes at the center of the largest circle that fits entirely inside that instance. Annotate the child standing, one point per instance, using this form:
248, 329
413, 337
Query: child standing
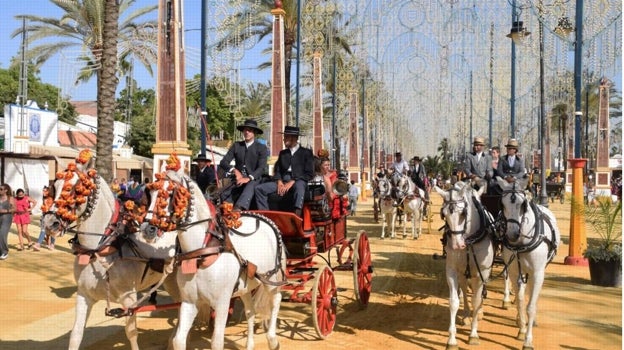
48, 200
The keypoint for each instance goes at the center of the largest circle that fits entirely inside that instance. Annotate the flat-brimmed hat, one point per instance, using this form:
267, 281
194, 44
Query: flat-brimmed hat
202, 158
252, 124
479, 141
398, 154
416, 158
291, 130
512, 143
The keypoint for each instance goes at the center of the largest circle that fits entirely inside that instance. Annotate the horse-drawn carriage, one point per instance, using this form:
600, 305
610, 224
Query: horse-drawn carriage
255, 254
322, 229
555, 190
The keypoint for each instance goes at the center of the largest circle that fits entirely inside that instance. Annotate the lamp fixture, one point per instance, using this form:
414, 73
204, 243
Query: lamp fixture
518, 32
564, 26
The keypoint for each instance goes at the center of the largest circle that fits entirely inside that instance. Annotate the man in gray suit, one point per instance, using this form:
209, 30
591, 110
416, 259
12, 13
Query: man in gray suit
478, 164
250, 162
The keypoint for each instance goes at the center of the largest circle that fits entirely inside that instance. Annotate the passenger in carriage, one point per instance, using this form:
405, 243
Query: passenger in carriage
478, 164
292, 172
250, 162
419, 177
510, 166
337, 203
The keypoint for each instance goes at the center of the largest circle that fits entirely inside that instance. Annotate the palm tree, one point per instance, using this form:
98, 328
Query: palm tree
81, 28
106, 87
443, 148
93, 26
255, 22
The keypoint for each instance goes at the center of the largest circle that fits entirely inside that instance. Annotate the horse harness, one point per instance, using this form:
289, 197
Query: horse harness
487, 229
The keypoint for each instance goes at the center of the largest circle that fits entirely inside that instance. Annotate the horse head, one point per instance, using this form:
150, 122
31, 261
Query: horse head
459, 213
515, 207
384, 187
83, 204
400, 185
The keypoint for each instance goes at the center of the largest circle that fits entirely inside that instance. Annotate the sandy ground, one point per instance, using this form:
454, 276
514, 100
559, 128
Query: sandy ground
408, 307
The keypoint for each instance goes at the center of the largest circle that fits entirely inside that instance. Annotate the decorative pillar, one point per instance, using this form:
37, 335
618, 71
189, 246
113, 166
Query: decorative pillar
354, 159
365, 160
578, 239
317, 103
278, 92
171, 112
603, 173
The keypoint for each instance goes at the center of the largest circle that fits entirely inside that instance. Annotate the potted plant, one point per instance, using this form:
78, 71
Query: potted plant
605, 252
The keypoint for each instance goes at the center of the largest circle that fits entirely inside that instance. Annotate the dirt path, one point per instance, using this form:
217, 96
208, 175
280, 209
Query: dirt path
408, 307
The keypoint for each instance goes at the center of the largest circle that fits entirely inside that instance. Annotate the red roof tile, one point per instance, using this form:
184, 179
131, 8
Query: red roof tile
75, 138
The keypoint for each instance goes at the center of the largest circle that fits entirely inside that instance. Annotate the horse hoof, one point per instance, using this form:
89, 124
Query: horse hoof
506, 305
527, 347
521, 336
382, 237
452, 347
473, 341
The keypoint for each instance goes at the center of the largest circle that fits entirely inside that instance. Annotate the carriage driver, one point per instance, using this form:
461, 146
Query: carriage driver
293, 170
400, 165
419, 177
250, 162
478, 164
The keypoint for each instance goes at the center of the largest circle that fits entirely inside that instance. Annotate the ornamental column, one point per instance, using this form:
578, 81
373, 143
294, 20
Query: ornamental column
317, 104
603, 172
171, 122
278, 91
354, 159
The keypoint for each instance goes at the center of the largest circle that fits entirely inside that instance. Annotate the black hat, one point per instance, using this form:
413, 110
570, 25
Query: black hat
202, 157
291, 130
417, 158
397, 154
250, 123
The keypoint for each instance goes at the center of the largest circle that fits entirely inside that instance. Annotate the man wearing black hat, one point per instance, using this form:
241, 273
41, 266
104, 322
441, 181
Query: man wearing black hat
206, 173
250, 162
292, 171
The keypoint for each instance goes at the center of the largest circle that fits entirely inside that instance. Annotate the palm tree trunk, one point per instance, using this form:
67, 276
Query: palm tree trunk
106, 87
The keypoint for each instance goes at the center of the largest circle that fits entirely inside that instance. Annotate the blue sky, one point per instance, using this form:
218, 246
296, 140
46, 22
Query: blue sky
59, 70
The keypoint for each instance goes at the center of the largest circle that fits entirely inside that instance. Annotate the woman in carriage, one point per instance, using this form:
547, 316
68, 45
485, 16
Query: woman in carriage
336, 199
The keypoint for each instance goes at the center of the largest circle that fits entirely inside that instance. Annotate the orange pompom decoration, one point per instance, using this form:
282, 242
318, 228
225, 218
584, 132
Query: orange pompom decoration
84, 156
173, 163
71, 167
322, 153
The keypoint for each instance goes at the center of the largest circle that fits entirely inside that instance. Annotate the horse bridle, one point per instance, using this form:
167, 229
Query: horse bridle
514, 196
452, 204
89, 207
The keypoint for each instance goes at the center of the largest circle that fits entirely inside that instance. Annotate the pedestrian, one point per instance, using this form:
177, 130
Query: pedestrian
7, 209
250, 165
47, 201
134, 191
293, 170
354, 193
23, 206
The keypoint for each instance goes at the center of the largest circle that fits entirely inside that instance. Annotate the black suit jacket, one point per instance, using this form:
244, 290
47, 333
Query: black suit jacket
249, 161
301, 163
206, 177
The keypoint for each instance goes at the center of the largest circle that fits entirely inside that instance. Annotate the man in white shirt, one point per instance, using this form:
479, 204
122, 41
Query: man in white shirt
400, 165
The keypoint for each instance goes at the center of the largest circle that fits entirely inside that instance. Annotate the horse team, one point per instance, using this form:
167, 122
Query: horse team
244, 253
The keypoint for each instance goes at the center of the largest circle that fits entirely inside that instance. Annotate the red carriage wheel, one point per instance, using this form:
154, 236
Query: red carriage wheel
362, 269
324, 302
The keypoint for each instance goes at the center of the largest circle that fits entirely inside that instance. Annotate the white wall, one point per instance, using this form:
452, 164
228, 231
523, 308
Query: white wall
40, 126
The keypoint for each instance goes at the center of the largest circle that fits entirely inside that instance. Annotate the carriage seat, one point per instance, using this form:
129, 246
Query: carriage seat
316, 200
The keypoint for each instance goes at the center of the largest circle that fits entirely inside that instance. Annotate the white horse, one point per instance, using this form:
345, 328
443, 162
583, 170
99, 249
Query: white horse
530, 238
469, 254
211, 271
387, 207
411, 199
86, 206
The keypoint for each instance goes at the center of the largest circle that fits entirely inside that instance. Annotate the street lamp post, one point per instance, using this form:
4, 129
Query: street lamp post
202, 83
